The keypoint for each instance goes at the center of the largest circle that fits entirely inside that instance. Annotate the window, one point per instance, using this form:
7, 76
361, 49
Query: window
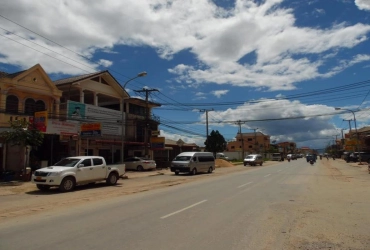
86, 162
40, 106
205, 158
250, 146
250, 139
29, 107
11, 105
136, 110
97, 161
232, 147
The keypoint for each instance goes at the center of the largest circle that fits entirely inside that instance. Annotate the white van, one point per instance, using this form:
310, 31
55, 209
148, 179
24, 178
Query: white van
276, 156
193, 162
222, 156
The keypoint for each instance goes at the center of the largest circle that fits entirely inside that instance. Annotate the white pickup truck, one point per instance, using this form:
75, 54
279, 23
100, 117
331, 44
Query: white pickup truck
77, 170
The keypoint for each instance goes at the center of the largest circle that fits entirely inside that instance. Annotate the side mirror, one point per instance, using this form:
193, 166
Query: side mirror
81, 165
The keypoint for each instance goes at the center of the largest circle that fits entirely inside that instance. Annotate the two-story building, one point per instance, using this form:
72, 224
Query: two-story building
89, 114
22, 94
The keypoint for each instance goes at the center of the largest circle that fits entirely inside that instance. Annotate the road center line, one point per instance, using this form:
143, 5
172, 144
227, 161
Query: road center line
245, 184
181, 210
267, 175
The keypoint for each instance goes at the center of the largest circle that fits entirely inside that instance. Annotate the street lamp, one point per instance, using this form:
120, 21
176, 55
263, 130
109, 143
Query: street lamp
354, 118
141, 74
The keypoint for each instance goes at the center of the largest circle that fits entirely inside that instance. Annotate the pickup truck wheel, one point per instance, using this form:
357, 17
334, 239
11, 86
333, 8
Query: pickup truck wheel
67, 185
140, 168
42, 187
210, 170
112, 179
177, 172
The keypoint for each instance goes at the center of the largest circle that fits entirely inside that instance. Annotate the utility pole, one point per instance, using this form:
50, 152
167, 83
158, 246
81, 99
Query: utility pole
241, 135
255, 140
146, 136
206, 110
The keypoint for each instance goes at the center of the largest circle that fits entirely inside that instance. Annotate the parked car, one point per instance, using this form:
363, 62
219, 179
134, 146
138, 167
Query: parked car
253, 160
222, 156
78, 170
351, 157
364, 157
139, 163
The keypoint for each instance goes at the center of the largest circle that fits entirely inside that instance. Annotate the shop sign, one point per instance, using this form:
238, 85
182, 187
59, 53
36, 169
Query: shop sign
41, 120
91, 129
157, 142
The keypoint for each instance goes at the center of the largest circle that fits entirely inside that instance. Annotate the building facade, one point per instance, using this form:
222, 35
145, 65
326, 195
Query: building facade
84, 115
250, 143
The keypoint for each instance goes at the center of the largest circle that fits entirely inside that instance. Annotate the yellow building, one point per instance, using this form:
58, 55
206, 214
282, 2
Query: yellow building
22, 94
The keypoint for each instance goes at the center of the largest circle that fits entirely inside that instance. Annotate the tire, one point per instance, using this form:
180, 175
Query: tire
177, 172
67, 184
210, 170
112, 179
42, 187
245, 164
261, 163
140, 168
194, 171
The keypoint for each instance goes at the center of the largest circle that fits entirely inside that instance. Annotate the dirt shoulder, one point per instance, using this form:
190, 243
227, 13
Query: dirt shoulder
335, 212
23, 198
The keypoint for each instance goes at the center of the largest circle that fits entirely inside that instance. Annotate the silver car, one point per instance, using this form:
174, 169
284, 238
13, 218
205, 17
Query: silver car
139, 163
253, 160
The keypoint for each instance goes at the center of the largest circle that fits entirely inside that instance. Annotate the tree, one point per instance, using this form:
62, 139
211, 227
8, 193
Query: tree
215, 143
22, 133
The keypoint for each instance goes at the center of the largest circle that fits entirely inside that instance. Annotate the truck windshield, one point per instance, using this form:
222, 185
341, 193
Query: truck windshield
182, 158
68, 162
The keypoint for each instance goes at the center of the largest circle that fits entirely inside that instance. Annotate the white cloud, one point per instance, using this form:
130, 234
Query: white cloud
272, 117
219, 93
105, 63
219, 38
363, 4
320, 11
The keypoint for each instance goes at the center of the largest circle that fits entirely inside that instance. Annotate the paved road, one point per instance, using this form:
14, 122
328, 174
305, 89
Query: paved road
257, 209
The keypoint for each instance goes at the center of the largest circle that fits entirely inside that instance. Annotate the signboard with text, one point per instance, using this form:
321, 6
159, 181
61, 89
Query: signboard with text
90, 129
157, 142
41, 120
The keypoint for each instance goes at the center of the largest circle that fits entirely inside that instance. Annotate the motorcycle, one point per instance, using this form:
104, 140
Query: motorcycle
288, 159
311, 162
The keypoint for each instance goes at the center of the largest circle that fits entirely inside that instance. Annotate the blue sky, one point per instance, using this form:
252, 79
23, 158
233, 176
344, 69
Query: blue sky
281, 66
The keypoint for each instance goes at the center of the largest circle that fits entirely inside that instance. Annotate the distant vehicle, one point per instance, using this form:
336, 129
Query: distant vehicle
78, 170
276, 156
139, 163
193, 162
253, 160
310, 157
222, 156
292, 156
